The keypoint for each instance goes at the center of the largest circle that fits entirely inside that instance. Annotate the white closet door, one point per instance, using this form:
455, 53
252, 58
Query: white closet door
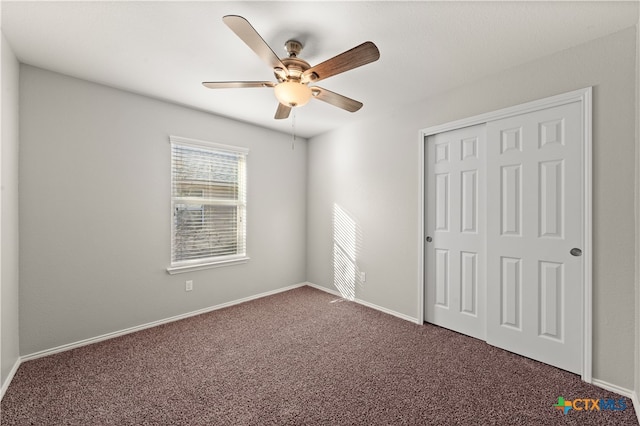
534, 198
455, 275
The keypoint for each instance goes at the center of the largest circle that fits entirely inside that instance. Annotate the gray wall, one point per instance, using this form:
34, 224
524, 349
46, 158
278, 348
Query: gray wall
95, 211
371, 169
9, 212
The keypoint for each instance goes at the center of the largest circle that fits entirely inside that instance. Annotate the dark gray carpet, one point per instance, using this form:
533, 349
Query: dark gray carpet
297, 358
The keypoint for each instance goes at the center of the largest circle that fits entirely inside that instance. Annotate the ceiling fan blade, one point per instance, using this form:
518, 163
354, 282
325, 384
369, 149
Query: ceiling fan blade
282, 112
250, 36
335, 99
360, 55
236, 84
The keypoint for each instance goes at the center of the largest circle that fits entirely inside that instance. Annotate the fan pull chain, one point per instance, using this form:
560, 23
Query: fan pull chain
293, 129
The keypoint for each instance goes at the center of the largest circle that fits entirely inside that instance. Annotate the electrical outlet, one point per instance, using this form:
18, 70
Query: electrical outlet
188, 286
363, 276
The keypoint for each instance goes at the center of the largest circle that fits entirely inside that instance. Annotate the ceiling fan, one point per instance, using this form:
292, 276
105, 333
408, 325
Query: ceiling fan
293, 74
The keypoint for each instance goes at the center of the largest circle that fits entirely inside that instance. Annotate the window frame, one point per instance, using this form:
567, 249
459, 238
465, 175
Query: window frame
217, 261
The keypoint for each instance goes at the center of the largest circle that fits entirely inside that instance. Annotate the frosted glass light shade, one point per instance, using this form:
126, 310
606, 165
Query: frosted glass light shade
293, 94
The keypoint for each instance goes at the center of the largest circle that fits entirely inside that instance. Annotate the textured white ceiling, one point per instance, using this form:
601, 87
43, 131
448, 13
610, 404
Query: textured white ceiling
166, 49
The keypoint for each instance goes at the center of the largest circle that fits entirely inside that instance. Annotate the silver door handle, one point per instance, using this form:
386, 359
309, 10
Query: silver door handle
429, 239
575, 252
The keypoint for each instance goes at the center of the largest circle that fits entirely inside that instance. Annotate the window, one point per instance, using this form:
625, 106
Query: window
208, 204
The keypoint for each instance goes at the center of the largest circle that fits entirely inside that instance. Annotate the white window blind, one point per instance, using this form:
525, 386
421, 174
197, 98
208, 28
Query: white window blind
208, 202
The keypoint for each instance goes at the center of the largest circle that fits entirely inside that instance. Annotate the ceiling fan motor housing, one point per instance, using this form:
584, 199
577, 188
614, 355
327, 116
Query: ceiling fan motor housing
295, 68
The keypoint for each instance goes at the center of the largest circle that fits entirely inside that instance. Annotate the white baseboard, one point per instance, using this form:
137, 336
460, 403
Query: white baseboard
325, 289
129, 330
636, 404
367, 304
9, 378
613, 388
631, 394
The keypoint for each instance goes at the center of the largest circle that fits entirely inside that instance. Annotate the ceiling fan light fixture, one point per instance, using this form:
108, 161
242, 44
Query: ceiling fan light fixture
292, 93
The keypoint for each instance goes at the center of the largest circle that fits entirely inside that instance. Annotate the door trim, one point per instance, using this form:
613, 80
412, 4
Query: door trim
584, 96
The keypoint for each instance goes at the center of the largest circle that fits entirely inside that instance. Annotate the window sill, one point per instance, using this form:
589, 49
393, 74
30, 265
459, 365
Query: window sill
200, 266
